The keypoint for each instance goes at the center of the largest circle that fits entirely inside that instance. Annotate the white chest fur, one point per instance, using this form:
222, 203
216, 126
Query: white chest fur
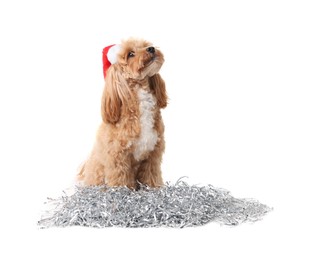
148, 136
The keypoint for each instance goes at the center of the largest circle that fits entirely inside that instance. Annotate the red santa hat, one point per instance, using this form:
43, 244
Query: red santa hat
110, 56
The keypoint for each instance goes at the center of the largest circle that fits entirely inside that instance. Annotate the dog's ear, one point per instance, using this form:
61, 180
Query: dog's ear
157, 85
113, 96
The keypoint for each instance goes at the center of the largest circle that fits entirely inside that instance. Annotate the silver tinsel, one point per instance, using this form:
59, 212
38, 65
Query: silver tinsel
179, 205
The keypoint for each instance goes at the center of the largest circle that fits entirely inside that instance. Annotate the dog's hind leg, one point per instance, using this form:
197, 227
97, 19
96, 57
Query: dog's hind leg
92, 173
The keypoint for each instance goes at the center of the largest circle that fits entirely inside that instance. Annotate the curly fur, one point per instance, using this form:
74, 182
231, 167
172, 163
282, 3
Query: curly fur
130, 140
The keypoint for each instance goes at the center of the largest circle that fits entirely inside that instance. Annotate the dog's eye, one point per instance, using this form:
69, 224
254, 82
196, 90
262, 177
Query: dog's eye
131, 54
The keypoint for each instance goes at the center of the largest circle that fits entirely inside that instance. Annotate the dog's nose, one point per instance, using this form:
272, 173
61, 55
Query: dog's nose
150, 49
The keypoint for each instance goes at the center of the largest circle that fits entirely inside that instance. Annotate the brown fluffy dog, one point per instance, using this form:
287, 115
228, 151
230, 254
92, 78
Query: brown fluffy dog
130, 142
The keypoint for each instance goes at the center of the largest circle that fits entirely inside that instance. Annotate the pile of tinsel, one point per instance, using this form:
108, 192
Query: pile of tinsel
174, 205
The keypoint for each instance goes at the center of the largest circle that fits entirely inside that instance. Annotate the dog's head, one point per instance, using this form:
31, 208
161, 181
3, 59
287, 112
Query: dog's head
135, 61
138, 59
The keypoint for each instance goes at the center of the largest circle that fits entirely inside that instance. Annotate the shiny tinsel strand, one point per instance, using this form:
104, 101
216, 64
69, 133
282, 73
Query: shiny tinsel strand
179, 205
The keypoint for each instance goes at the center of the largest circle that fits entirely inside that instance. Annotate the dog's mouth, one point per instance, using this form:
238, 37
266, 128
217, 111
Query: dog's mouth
150, 60
150, 63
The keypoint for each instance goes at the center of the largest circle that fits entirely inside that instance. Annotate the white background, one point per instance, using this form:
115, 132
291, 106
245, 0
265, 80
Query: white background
238, 77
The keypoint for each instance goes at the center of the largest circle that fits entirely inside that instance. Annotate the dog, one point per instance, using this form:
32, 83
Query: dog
130, 140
